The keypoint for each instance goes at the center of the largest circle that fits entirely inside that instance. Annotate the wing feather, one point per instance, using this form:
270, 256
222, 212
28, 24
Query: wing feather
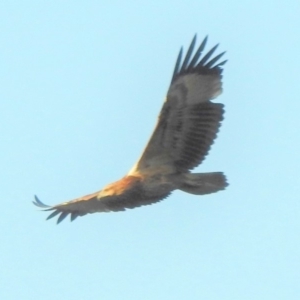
207, 56
214, 60
178, 62
198, 54
189, 121
188, 54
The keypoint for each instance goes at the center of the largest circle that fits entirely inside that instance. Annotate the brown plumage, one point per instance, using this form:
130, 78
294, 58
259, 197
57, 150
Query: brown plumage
187, 126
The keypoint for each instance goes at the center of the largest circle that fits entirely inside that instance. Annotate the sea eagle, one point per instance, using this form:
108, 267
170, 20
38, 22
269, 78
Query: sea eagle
186, 128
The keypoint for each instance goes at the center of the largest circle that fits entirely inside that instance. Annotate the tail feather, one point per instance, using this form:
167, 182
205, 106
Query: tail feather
203, 183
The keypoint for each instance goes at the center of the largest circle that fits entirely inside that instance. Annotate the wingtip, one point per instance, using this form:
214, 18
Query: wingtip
61, 217
52, 215
73, 216
56, 211
39, 203
194, 39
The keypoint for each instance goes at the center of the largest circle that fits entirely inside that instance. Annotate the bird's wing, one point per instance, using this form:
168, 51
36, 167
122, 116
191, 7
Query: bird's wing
118, 196
188, 122
91, 204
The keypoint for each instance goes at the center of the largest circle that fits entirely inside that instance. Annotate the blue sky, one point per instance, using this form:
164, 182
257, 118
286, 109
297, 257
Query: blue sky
82, 84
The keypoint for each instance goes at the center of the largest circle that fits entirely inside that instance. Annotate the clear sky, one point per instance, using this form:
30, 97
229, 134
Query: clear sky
82, 84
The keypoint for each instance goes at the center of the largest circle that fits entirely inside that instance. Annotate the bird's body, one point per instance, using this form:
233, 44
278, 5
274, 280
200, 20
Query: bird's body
187, 126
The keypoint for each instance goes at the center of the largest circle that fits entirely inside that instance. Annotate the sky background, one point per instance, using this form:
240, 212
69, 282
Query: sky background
82, 83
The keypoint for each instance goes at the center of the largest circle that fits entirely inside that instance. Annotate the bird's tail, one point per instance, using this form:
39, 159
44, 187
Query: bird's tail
203, 183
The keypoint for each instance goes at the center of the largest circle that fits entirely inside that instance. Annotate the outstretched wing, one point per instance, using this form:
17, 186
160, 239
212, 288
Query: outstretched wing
91, 204
188, 122
124, 194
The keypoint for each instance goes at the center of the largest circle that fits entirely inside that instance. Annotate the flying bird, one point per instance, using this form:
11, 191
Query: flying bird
187, 126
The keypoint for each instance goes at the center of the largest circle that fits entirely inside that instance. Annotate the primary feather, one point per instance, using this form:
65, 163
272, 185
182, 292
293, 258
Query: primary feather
187, 127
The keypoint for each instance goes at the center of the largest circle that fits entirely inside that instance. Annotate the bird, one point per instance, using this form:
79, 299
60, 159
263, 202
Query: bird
186, 128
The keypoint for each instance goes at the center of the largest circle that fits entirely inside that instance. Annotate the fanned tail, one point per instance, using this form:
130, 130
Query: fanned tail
204, 183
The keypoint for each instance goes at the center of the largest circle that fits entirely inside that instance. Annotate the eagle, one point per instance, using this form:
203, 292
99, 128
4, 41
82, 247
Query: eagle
187, 126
